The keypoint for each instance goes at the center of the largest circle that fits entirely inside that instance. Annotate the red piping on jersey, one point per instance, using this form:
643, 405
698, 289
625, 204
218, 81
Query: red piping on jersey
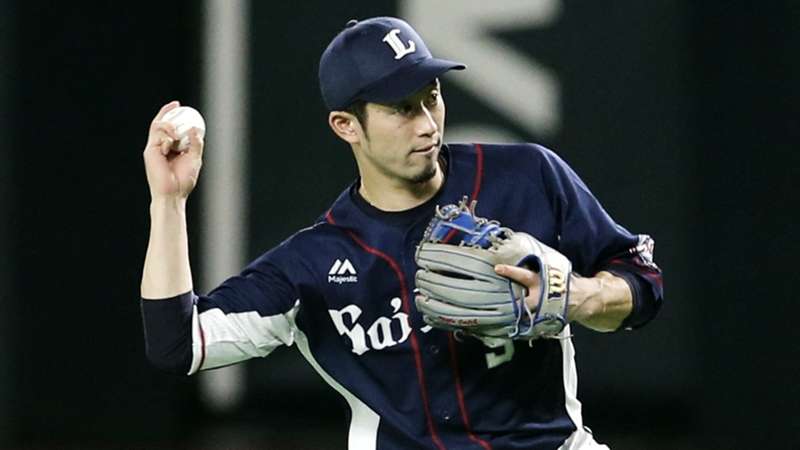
462, 406
645, 272
449, 236
476, 188
460, 395
413, 337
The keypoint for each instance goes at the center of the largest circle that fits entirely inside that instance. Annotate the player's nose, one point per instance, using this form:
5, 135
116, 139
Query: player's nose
426, 125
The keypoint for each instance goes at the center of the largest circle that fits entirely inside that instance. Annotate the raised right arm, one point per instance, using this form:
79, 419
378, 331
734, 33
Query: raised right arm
166, 289
171, 176
247, 316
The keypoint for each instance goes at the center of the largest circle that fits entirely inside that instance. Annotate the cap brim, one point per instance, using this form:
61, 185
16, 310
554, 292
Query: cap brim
407, 81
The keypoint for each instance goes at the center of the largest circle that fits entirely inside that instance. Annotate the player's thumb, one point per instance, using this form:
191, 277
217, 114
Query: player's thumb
196, 143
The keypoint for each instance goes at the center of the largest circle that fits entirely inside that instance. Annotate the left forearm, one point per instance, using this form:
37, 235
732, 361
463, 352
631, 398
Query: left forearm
601, 302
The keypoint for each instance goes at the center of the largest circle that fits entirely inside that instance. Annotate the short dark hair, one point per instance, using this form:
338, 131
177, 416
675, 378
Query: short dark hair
359, 109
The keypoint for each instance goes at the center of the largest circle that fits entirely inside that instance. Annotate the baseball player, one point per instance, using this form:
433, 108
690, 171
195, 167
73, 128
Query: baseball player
343, 290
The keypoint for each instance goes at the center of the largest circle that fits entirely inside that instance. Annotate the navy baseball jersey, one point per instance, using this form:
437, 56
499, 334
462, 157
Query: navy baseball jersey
342, 292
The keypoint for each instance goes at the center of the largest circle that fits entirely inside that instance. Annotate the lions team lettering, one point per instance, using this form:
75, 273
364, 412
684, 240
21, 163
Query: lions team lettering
379, 335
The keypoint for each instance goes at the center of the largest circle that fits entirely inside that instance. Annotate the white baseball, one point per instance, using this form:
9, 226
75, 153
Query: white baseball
184, 118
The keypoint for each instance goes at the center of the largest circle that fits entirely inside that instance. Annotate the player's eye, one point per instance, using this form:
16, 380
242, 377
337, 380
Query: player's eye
433, 99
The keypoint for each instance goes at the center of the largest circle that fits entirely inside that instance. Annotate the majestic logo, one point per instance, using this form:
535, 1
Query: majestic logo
342, 272
400, 50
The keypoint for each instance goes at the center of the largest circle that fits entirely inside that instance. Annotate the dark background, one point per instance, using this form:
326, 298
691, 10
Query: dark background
681, 116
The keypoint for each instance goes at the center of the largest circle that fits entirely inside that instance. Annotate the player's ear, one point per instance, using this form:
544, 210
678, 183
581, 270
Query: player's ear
346, 126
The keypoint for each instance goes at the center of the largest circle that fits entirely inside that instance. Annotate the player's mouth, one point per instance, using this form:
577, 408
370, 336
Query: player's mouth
426, 150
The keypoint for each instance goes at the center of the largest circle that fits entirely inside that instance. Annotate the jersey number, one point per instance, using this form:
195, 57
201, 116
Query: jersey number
503, 352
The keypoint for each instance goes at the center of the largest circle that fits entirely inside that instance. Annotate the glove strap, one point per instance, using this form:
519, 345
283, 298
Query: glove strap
550, 316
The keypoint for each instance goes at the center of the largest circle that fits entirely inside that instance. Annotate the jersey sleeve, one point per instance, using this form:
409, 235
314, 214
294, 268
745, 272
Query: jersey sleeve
594, 242
247, 316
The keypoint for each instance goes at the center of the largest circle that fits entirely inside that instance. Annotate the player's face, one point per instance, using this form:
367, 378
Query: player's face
403, 140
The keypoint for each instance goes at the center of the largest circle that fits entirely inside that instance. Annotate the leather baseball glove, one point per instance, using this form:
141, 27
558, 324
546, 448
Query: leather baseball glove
457, 287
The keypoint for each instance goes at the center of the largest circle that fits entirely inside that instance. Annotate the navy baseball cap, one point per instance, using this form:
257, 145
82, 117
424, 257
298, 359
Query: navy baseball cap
380, 60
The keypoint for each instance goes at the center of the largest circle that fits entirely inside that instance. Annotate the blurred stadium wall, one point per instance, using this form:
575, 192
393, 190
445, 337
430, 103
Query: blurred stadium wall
6, 301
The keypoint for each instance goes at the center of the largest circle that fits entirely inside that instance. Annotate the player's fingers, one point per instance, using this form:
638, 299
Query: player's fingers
525, 277
166, 145
166, 128
161, 137
195, 143
521, 275
158, 143
161, 132
165, 109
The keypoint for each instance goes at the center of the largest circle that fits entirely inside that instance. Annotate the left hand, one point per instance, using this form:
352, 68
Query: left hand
528, 278
587, 296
